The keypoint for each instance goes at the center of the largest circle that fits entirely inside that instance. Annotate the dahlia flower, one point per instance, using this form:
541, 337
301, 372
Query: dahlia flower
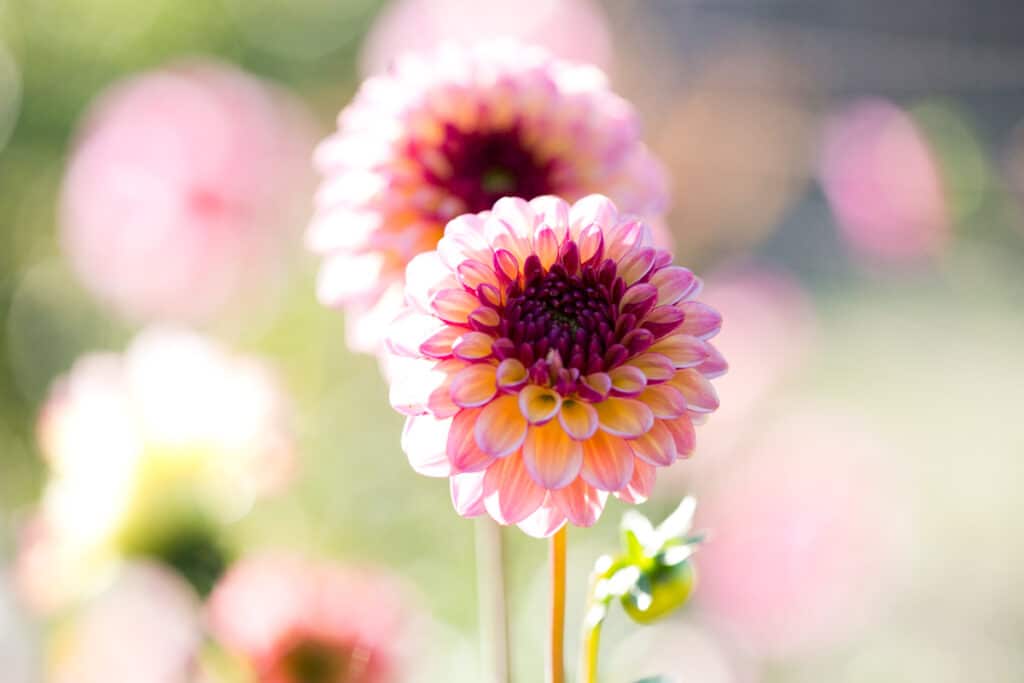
180, 193
150, 454
450, 133
295, 621
548, 356
147, 626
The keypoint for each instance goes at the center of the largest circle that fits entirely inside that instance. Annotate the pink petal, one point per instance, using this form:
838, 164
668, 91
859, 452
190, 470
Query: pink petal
410, 330
414, 383
503, 236
553, 212
539, 404
683, 435
578, 419
636, 264
701, 320
439, 345
463, 452
639, 487
656, 446
655, 366
551, 456
683, 350
607, 462
627, 380
464, 239
472, 274
511, 374
591, 242
593, 209
626, 236
425, 276
423, 440
468, 494
580, 502
662, 320
545, 521
454, 305
501, 428
519, 214
715, 365
674, 284
474, 385
624, 416
545, 245
511, 494
473, 346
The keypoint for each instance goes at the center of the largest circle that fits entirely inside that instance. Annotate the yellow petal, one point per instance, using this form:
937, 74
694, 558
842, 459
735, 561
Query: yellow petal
624, 416
578, 419
501, 428
551, 457
474, 385
539, 404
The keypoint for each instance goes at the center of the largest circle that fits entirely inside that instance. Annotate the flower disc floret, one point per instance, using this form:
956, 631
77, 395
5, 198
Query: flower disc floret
549, 355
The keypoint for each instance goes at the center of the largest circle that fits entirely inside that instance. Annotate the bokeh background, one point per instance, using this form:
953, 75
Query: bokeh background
847, 177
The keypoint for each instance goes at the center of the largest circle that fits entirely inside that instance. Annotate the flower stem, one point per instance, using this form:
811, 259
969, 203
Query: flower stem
556, 648
590, 640
491, 600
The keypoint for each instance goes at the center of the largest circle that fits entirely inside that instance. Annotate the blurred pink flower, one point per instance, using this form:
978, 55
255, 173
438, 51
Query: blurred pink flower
883, 183
450, 133
147, 626
800, 535
183, 190
549, 355
570, 29
295, 621
174, 427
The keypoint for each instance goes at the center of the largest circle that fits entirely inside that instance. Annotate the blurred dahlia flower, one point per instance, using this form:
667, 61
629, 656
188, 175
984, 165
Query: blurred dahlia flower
450, 133
548, 356
147, 626
570, 29
150, 454
181, 190
298, 622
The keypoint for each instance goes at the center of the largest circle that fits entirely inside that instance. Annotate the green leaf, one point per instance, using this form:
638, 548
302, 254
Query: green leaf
637, 533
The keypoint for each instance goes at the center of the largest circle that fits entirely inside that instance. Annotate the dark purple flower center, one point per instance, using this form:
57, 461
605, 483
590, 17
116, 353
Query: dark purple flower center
569, 321
486, 166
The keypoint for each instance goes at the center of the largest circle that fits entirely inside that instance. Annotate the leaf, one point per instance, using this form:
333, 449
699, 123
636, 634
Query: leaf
637, 532
679, 522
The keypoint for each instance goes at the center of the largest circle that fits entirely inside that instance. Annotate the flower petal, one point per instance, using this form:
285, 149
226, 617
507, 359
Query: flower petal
511, 374
593, 209
539, 404
655, 366
683, 350
580, 502
501, 428
627, 380
425, 276
674, 284
607, 462
700, 395
656, 446
410, 330
467, 492
545, 521
552, 458
578, 419
715, 365
664, 400
639, 487
423, 440
624, 416
346, 277
463, 452
683, 435
473, 346
454, 305
701, 320
510, 493
474, 385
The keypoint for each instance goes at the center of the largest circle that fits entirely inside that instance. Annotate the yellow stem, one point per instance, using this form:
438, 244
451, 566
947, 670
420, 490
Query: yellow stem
556, 650
591, 647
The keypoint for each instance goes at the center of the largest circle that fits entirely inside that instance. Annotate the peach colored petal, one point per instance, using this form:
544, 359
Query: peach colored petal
539, 404
511, 374
599, 382
624, 416
636, 264
594, 209
683, 350
423, 440
578, 419
410, 330
639, 487
510, 493
664, 400
467, 492
501, 428
439, 344
553, 212
656, 446
473, 346
414, 383
463, 452
607, 462
551, 457
590, 241
519, 214
454, 305
546, 246
425, 276
627, 380
472, 274
700, 395
580, 502
683, 435
474, 385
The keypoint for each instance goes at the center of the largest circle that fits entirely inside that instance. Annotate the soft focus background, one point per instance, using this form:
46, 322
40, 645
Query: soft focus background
848, 178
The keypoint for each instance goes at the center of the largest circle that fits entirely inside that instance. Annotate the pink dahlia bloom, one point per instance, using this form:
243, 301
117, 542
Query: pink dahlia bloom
550, 355
884, 184
294, 621
181, 190
570, 29
450, 133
